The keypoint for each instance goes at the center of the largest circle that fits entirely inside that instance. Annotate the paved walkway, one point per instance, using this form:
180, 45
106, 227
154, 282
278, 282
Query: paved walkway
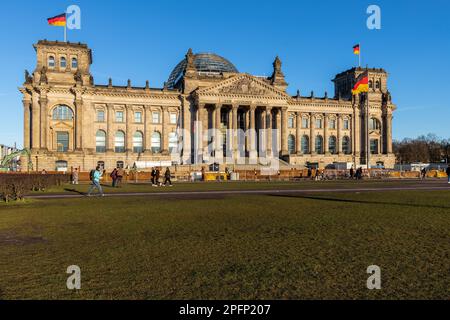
187, 194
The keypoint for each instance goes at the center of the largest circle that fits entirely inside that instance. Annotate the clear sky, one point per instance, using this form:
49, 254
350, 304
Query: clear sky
144, 40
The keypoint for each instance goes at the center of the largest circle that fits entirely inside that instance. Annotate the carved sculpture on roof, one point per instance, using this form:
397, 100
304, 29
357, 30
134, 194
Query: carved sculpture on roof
243, 86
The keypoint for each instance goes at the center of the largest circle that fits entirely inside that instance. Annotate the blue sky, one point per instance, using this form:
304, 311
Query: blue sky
145, 40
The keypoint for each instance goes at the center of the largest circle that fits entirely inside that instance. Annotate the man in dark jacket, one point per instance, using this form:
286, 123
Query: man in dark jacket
153, 176
448, 173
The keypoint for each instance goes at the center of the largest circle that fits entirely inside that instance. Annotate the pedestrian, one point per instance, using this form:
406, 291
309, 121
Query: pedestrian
157, 175
95, 178
113, 176
120, 174
352, 173
167, 177
309, 172
153, 176
423, 173
75, 176
448, 173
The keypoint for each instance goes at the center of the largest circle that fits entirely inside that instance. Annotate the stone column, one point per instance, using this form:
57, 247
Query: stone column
186, 132
109, 125
311, 133
147, 131
389, 133
325, 134
284, 131
43, 115
339, 136
269, 130
217, 127
128, 125
234, 143
165, 131
298, 138
356, 133
78, 124
35, 122
26, 124
252, 146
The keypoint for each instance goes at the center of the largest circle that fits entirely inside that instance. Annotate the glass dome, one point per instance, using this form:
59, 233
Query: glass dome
204, 62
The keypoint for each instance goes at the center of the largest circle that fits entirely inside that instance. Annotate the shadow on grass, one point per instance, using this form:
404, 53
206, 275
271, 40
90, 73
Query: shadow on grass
359, 201
74, 190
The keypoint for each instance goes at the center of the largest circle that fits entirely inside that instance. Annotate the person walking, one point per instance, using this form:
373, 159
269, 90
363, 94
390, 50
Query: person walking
113, 176
75, 176
352, 173
167, 177
448, 173
96, 175
120, 174
157, 175
423, 173
153, 176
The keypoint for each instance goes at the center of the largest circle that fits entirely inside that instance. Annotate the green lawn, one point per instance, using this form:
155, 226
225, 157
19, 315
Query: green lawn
228, 247
242, 185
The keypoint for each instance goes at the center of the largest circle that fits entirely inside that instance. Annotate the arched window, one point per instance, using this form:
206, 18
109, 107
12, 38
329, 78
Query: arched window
119, 142
305, 144
332, 144
346, 147
370, 84
74, 63
51, 62
173, 142
63, 63
377, 84
291, 144
374, 124
62, 112
156, 142
100, 141
319, 145
138, 142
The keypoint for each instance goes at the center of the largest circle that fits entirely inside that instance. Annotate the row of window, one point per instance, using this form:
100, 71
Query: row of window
318, 145
138, 118
62, 62
137, 142
318, 123
65, 113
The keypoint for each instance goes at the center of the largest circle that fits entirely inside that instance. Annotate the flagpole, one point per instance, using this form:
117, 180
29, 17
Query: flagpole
367, 127
65, 32
359, 55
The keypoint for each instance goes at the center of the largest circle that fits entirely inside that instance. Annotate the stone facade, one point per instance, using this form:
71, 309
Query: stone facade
71, 122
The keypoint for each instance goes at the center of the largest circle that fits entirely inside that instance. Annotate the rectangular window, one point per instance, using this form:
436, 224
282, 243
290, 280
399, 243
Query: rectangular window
119, 116
290, 122
332, 124
305, 123
319, 123
173, 118
346, 124
374, 146
138, 117
100, 116
156, 117
62, 141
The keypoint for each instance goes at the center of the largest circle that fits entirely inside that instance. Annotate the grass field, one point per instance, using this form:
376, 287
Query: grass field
279, 246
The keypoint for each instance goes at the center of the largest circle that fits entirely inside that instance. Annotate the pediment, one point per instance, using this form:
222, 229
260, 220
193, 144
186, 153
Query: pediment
244, 85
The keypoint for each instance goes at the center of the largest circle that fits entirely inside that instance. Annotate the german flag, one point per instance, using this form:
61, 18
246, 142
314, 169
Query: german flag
356, 49
59, 20
362, 85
